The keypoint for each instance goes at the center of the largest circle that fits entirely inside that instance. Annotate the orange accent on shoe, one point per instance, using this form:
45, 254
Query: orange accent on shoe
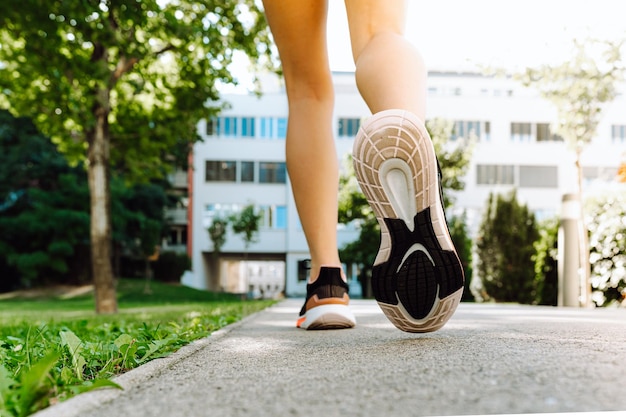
300, 321
316, 302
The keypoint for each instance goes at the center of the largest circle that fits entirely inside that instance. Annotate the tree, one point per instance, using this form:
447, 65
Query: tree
138, 220
246, 223
43, 211
454, 159
121, 84
505, 250
217, 233
579, 88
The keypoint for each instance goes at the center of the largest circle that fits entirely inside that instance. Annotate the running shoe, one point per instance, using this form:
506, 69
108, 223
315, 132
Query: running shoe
326, 304
417, 277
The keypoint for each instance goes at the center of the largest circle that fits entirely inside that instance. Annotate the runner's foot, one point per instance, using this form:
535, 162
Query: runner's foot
326, 304
417, 277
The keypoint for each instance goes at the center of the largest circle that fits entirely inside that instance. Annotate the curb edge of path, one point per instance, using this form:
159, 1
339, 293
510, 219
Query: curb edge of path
78, 405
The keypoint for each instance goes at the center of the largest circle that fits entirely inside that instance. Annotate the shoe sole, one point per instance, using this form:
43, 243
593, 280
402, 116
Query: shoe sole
326, 317
417, 277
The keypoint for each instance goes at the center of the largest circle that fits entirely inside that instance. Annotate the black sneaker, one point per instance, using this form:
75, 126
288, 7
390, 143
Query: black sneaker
417, 277
326, 304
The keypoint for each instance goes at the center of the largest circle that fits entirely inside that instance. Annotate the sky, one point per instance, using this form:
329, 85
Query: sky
462, 34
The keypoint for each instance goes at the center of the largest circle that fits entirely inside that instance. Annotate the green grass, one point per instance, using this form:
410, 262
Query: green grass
52, 348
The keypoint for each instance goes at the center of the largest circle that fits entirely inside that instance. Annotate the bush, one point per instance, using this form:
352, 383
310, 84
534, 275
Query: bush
170, 266
463, 245
505, 250
546, 270
606, 220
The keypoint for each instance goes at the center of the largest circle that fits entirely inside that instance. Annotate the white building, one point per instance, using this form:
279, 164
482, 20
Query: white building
242, 161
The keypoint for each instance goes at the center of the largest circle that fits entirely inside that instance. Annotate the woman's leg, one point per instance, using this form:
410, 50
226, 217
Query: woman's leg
299, 30
417, 277
390, 73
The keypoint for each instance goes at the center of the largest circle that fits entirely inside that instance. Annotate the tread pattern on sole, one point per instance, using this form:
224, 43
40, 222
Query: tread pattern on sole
417, 278
428, 272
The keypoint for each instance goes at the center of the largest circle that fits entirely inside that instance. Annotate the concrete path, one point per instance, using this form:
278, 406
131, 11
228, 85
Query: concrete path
489, 359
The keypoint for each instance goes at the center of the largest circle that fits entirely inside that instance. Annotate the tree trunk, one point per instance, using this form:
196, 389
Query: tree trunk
583, 238
99, 191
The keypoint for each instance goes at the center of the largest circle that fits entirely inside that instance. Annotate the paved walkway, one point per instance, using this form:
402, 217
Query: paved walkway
489, 359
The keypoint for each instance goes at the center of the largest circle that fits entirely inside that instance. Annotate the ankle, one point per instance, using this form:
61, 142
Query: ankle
314, 272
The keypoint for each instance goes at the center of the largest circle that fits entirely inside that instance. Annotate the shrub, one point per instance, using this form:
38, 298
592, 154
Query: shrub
505, 250
170, 266
546, 271
463, 245
606, 220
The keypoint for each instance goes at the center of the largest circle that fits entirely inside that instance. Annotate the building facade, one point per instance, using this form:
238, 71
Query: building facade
241, 161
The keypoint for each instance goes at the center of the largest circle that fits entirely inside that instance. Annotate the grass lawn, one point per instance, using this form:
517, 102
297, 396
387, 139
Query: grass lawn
54, 346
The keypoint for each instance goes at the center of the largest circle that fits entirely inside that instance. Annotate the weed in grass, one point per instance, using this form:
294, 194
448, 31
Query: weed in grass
53, 354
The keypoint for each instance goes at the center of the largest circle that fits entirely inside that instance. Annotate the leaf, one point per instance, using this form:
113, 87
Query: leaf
153, 347
6, 382
127, 346
75, 347
123, 340
95, 384
33, 382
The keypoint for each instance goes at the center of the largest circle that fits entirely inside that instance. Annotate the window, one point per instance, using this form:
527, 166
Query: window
538, 176
281, 127
218, 211
348, 127
520, 132
599, 173
273, 217
177, 236
544, 134
618, 133
468, 129
304, 265
495, 175
272, 172
267, 128
221, 171
247, 171
273, 128
281, 217
247, 127
228, 126
212, 127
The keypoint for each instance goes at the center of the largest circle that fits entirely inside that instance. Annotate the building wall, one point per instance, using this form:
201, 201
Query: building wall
492, 103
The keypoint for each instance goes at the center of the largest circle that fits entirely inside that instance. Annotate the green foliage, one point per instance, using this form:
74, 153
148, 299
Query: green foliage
463, 244
122, 85
170, 266
53, 355
578, 87
138, 215
44, 222
607, 224
43, 205
505, 250
217, 233
156, 63
247, 223
546, 257
454, 157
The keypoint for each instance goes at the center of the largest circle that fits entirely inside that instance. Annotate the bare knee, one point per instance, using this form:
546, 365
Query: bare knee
309, 85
